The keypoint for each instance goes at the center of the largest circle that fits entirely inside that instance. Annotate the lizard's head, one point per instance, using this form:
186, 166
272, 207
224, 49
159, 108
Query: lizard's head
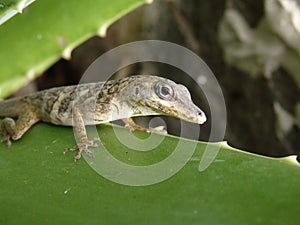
155, 95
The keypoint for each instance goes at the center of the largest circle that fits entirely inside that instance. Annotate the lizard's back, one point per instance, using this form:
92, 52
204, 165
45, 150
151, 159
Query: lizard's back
52, 105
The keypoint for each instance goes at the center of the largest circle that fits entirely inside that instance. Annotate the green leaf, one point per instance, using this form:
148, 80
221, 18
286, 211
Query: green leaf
40, 185
9, 8
49, 30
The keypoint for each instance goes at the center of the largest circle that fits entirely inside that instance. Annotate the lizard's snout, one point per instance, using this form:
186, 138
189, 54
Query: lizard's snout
201, 117
194, 115
190, 113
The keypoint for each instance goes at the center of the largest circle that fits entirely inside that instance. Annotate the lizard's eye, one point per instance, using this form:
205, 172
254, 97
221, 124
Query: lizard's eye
164, 91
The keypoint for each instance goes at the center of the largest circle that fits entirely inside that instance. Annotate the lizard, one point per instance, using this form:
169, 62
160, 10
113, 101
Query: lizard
96, 103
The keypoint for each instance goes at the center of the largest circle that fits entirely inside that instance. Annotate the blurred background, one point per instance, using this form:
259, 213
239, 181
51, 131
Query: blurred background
252, 47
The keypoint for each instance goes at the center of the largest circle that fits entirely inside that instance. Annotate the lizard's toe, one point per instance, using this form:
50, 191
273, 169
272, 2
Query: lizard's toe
130, 127
95, 142
84, 148
6, 139
75, 148
86, 151
159, 130
89, 153
78, 156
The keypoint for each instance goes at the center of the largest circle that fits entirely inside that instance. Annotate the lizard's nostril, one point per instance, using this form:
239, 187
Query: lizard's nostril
202, 117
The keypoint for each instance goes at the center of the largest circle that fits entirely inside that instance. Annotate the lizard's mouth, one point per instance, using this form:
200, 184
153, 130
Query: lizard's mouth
190, 113
194, 115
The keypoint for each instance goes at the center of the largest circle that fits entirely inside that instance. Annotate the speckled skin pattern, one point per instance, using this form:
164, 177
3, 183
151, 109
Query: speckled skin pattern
95, 103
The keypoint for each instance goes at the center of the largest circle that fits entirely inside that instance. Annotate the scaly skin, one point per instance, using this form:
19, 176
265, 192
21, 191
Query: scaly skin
96, 103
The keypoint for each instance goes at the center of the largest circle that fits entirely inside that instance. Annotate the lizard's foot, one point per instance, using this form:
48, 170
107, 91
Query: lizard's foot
84, 148
159, 130
132, 126
6, 138
7, 129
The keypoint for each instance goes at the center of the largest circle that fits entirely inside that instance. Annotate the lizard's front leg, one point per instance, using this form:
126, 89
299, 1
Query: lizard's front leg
15, 130
83, 143
132, 126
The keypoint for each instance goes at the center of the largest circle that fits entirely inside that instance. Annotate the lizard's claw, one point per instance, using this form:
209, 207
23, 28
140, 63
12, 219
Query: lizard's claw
159, 130
4, 132
80, 150
6, 138
84, 148
132, 126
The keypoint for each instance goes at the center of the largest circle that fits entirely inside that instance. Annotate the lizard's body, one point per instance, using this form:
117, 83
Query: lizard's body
96, 103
